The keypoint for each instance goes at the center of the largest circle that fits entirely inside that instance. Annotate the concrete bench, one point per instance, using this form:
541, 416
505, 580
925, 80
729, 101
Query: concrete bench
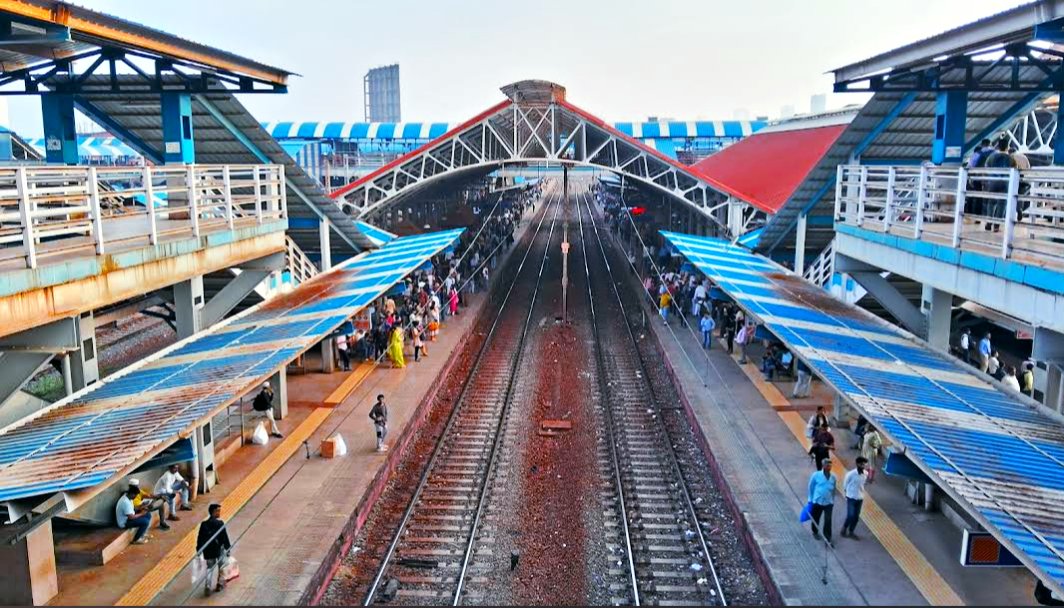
84, 546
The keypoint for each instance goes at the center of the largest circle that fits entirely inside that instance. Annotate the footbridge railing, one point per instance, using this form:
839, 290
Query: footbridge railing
49, 212
1006, 213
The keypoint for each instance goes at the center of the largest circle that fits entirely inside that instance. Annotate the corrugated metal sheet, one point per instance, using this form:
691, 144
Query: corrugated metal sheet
140, 115
907, 140
988, 447
106, 430
765, 168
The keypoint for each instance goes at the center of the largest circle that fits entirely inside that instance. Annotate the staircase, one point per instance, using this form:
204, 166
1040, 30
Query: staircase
298, 269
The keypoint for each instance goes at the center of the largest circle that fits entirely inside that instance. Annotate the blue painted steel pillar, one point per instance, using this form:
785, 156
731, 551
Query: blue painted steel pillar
951, 112
178, 145
60, 136
1058, 150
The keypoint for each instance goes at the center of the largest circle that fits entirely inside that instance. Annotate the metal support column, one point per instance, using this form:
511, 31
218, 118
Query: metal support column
188, 301
279, 382
178, 145
937, 307
85, 366
326, 246
60, 136
951, 113
799, 244
1048, 347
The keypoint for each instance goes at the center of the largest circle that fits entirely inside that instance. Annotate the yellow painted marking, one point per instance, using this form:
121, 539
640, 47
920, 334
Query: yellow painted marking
350, 384
172, 563
768, 390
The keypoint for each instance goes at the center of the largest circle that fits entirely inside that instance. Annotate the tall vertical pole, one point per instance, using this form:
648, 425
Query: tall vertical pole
565, 244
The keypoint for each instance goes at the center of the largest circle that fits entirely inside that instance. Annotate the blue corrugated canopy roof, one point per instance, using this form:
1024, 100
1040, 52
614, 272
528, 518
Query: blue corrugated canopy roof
991, 449
104, 431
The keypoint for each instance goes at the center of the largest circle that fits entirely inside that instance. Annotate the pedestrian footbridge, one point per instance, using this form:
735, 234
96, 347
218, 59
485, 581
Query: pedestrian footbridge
995, 452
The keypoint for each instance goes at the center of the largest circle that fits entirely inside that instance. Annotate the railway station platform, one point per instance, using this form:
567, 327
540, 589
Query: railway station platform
285, 512
912, 552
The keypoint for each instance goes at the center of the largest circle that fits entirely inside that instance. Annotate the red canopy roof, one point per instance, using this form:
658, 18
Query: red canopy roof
764, 169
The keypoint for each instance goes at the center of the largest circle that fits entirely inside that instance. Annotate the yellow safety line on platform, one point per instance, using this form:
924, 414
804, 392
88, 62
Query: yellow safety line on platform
172, 563
910, 559
352, 381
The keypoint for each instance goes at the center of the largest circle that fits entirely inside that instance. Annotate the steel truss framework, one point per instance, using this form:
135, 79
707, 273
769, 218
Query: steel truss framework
980, 71
524, 132
69, 75
1035, 132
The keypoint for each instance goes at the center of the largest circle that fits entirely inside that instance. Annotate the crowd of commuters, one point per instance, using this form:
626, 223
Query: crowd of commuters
982, 355
1000, 154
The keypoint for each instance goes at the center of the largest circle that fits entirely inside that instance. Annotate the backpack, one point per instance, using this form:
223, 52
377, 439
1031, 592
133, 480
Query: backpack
261, 402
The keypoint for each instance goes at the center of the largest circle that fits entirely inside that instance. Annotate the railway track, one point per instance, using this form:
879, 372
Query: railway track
659, 551
430, 557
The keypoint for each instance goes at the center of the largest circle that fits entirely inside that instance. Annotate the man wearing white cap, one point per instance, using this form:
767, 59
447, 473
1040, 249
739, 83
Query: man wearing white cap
263, 406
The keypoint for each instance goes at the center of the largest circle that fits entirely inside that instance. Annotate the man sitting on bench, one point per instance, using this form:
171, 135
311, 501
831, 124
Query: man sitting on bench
151, 502
169, 486
130, 517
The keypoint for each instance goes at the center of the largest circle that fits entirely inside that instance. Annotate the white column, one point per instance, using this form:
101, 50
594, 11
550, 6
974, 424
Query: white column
85, 366
799, 244
188, 300
279, 382
1048, 346
324, 238
937, 307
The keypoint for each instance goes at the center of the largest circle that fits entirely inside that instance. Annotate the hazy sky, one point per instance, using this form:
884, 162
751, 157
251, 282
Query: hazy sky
621, 59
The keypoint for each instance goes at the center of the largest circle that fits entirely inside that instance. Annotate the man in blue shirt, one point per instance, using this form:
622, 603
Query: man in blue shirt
707, 325
822, 497
984, 353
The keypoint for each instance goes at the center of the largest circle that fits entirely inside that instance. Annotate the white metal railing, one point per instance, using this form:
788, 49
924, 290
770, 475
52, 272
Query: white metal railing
820, 271
48, 211
1005, 212
299, 266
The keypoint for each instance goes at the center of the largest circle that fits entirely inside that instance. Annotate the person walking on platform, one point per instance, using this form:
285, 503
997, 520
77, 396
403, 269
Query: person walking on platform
379, 415
345, 355
823, 445
1027, 380
452, 300
804, 386
213, 540
965, 346
395, 348
745, 337
664, 301
1010, 380
822, 498
853, 488
816, 422
707, 325
984, 353
871, 445
263, 406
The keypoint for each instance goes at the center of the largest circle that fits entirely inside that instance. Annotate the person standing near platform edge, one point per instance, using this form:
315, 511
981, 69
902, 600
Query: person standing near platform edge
379, 416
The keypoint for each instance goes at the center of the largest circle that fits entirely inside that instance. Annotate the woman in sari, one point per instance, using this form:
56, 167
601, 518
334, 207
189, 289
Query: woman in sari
452, 301
395, 348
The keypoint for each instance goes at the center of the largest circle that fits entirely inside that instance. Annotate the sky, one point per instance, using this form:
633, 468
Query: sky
619, 59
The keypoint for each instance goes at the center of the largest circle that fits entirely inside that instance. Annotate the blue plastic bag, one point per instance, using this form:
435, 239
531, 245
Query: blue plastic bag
807, 513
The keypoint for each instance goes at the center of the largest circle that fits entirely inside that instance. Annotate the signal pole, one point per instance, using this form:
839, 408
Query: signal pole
565, 245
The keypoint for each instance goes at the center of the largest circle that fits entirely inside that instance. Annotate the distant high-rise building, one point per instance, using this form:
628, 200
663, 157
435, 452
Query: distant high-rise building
818, 104
381, 92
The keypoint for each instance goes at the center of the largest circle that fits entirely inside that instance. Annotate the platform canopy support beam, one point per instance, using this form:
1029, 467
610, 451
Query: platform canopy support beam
951, 114
178, 144
60, 135
938, 308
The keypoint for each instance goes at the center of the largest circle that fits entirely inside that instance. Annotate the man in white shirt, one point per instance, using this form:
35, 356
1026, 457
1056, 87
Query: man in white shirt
170, 486
853, 488
129, 517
